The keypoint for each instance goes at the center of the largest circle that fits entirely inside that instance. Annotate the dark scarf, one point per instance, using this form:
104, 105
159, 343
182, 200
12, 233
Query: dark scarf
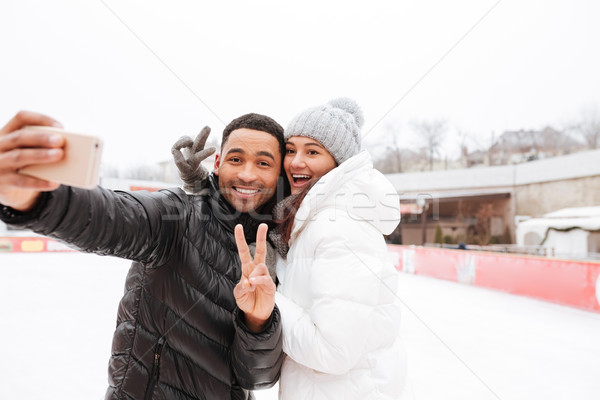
276, 235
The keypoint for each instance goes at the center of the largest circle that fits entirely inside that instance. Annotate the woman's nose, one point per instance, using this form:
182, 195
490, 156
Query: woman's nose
298, 161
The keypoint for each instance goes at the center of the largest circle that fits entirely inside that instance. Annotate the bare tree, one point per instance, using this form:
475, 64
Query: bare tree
589, 126
387, 161
392, 134
483, 149
431, 133
463, 142
390, 159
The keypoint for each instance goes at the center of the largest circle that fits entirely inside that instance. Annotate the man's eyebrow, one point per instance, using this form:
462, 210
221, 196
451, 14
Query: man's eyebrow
266, 154
236, 150
259, 153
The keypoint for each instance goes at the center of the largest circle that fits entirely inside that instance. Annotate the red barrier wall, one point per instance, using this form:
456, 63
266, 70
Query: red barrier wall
567, 282
35, 244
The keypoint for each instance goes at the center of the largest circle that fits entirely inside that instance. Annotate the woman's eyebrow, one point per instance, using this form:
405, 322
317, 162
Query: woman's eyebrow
307, 144
315, 144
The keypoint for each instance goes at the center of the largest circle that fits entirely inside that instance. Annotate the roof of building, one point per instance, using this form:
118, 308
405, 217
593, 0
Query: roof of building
587, 218
572, 166
576, 212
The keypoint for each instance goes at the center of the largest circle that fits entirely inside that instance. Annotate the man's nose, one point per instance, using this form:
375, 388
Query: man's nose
248, 173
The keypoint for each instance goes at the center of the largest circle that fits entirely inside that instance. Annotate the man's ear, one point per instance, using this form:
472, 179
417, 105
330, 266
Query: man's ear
217, 163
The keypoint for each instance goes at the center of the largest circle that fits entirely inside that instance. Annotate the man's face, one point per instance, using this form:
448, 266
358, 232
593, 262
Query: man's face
248, 168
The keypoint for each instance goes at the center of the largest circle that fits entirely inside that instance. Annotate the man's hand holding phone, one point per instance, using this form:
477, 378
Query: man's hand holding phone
19, 149
37, 155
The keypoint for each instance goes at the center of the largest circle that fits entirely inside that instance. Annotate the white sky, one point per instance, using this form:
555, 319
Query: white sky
525, 65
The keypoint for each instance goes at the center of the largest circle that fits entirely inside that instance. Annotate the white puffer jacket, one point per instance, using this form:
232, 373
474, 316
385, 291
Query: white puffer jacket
337, 292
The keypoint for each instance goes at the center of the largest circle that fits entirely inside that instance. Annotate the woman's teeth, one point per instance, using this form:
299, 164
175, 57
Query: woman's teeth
298, 177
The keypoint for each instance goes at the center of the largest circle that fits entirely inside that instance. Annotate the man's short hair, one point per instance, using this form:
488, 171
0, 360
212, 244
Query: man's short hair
257, 122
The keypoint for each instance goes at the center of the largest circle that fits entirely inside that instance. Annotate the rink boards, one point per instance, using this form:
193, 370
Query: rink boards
31, 244
568, 282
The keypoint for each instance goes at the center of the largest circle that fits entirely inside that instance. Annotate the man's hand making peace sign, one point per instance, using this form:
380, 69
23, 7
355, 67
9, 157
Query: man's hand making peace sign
255, 292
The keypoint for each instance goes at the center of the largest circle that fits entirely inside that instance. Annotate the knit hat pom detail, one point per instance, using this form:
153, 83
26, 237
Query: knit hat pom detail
350, 106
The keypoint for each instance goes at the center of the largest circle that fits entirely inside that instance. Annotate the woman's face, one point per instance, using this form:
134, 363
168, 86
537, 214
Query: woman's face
305, 160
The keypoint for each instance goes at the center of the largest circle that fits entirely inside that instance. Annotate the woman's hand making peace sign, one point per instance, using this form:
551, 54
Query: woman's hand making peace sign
255, 292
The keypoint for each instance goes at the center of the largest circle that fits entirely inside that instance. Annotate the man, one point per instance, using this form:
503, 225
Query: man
179, 334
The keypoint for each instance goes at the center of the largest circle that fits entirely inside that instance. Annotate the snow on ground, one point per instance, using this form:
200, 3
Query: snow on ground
466, 342
462, 342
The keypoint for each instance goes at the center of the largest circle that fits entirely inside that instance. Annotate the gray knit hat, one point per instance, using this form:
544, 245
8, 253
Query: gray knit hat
336, 125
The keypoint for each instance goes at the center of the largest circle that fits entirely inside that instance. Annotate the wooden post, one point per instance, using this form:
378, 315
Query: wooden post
424, 223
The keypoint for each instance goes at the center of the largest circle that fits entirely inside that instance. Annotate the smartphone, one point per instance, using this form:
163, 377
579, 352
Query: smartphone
80, 166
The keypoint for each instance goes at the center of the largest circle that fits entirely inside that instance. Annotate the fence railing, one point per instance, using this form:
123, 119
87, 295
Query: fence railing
531, 250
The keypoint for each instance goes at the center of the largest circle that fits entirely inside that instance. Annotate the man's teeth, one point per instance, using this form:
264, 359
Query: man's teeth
247, 191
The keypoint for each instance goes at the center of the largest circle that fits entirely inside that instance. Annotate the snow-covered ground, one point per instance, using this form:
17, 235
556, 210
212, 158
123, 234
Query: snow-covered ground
462, 342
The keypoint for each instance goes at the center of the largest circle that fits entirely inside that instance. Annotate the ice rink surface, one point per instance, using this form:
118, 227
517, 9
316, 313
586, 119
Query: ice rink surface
462, 342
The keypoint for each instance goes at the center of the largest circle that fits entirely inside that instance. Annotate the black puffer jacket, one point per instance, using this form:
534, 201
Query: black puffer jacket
179, 334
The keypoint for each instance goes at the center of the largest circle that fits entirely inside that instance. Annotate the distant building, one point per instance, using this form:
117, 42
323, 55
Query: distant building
454, 198
514, 147
136, 184
167, 170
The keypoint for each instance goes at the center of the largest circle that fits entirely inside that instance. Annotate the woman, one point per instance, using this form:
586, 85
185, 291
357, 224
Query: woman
336, 294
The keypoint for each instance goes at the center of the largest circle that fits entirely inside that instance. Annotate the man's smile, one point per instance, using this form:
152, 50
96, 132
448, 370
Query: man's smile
246, 191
